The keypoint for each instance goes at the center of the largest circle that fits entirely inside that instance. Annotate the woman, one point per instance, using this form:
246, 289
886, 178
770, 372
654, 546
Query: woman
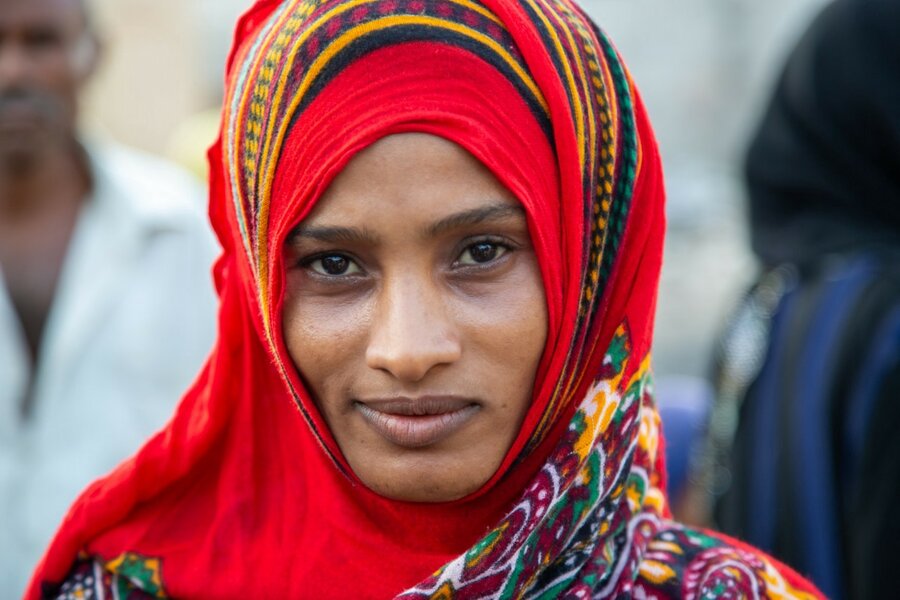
443, 225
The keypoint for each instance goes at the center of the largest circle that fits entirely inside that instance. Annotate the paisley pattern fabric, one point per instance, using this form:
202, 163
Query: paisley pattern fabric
589, 528
127, 577
569, 530
246, 493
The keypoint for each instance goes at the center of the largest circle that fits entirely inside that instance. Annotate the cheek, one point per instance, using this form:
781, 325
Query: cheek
507, 330
60, 82
322, 338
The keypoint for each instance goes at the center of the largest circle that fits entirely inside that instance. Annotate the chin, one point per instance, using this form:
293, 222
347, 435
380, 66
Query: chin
423, 493
429, 485
22, 152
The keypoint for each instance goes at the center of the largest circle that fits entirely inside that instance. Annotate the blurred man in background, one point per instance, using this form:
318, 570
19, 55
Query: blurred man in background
105, 260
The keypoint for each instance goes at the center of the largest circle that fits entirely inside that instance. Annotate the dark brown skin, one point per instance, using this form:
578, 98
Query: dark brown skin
415, 312
47, 53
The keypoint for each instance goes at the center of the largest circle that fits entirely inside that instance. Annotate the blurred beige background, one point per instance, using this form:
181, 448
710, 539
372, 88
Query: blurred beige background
704, 67
164, 62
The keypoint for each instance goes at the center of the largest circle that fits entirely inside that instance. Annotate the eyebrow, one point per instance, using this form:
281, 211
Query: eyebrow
493, 212
354, 235
346, 235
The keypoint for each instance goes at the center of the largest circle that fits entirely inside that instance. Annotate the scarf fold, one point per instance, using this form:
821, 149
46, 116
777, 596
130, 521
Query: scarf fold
246, 493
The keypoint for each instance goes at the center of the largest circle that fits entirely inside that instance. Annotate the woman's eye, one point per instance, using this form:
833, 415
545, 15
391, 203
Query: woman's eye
334, 265
481, 252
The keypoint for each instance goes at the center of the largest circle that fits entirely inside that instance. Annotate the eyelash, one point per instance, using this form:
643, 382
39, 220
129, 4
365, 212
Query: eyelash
499, 243
503, 245
308, 262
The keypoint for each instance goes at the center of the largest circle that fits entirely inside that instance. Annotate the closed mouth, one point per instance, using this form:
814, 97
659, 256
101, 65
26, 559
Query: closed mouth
20, 113
420, 422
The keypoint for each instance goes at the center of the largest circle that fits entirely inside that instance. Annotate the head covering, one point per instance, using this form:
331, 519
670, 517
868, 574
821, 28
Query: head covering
824, 168
246, 492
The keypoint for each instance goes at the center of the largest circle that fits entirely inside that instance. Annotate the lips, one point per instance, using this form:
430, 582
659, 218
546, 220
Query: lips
419, 422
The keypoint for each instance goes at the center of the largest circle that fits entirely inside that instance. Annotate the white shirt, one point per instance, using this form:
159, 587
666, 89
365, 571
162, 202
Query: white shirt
132, 321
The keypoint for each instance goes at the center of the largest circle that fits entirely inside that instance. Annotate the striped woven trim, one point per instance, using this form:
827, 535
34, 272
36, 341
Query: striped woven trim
600, 96
299, 50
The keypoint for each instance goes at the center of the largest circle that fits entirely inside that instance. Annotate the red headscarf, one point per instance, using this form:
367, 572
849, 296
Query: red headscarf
246, 493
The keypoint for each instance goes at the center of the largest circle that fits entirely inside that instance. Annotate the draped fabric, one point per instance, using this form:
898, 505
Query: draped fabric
246, 493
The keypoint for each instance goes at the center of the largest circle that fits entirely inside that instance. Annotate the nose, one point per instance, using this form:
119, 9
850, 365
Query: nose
411, 332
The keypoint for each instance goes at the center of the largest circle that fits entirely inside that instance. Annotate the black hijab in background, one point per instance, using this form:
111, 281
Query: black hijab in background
809, 365
824, 168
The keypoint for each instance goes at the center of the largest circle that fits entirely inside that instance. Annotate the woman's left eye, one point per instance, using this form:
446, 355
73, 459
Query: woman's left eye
481, 253
334, 265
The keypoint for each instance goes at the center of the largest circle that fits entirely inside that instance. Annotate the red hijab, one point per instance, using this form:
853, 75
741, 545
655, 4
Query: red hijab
246, 494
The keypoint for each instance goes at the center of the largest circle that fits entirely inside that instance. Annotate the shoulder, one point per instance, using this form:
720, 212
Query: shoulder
682, 561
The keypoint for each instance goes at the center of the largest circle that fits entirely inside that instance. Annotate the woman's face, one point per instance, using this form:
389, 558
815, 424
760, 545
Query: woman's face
415, 313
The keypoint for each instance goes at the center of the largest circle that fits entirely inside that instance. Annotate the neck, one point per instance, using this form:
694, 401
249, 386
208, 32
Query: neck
30, 185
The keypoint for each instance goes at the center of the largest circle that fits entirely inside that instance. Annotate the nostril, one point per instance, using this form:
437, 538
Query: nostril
410, 358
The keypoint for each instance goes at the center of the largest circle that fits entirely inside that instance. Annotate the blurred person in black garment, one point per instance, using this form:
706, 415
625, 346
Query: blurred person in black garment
803, 453
105, 260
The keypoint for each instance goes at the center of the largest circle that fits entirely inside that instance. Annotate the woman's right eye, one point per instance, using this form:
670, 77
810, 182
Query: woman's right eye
333, 265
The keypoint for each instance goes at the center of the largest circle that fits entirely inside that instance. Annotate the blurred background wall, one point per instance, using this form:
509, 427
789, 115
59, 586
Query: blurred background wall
704, 68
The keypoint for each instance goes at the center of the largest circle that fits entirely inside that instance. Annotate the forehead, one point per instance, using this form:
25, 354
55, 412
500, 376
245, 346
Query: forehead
41, 13
417, 176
